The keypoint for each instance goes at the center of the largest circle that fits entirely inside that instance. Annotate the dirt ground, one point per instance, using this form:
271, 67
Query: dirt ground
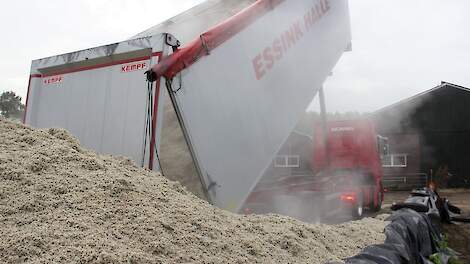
458, 233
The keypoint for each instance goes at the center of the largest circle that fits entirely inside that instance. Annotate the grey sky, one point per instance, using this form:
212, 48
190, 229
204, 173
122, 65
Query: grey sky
35, 29
400, 47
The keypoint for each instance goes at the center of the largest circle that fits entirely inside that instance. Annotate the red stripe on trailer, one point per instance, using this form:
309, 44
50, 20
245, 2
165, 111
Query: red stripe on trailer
87, 68
155, 54
27, 94
154, 124
211, 39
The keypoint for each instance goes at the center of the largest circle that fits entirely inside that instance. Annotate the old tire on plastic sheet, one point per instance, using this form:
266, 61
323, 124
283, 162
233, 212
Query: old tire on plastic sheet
411, 237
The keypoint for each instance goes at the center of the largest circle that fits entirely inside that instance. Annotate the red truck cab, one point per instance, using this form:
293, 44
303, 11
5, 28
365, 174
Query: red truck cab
351, 162
345, 178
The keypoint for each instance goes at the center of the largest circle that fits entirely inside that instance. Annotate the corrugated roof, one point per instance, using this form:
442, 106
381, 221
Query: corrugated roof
188, 25
417, 96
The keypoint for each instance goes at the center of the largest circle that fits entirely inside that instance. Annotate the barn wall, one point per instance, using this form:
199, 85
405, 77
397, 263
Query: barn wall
405, 144
441, 120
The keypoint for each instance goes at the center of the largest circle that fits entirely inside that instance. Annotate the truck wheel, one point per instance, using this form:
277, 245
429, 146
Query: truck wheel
379, 202
358, 209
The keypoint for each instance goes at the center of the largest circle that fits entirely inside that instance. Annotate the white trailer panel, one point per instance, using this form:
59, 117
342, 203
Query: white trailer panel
241, 87
100, 95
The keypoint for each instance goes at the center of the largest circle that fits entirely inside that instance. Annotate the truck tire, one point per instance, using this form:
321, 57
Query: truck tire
358, 209
378, 207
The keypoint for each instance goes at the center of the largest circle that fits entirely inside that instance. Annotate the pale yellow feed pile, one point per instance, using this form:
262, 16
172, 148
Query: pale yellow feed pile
60, 203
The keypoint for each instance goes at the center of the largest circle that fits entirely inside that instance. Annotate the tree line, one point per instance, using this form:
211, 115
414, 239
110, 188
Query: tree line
11, 106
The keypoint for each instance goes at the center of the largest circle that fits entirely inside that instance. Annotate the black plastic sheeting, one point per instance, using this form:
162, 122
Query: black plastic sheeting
411, 237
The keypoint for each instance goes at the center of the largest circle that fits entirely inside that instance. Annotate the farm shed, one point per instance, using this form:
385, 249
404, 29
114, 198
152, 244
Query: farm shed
429, 135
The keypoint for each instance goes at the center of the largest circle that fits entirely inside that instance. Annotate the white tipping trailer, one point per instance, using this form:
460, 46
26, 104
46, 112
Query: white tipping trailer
102, 97
238, 90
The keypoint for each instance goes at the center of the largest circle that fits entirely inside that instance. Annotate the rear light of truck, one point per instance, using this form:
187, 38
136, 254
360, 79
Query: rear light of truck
348, 197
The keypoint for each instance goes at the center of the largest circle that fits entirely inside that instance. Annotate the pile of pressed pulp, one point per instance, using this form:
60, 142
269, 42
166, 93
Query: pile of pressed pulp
60, 203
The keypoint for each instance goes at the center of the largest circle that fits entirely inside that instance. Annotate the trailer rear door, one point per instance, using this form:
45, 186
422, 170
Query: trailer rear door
101, 96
